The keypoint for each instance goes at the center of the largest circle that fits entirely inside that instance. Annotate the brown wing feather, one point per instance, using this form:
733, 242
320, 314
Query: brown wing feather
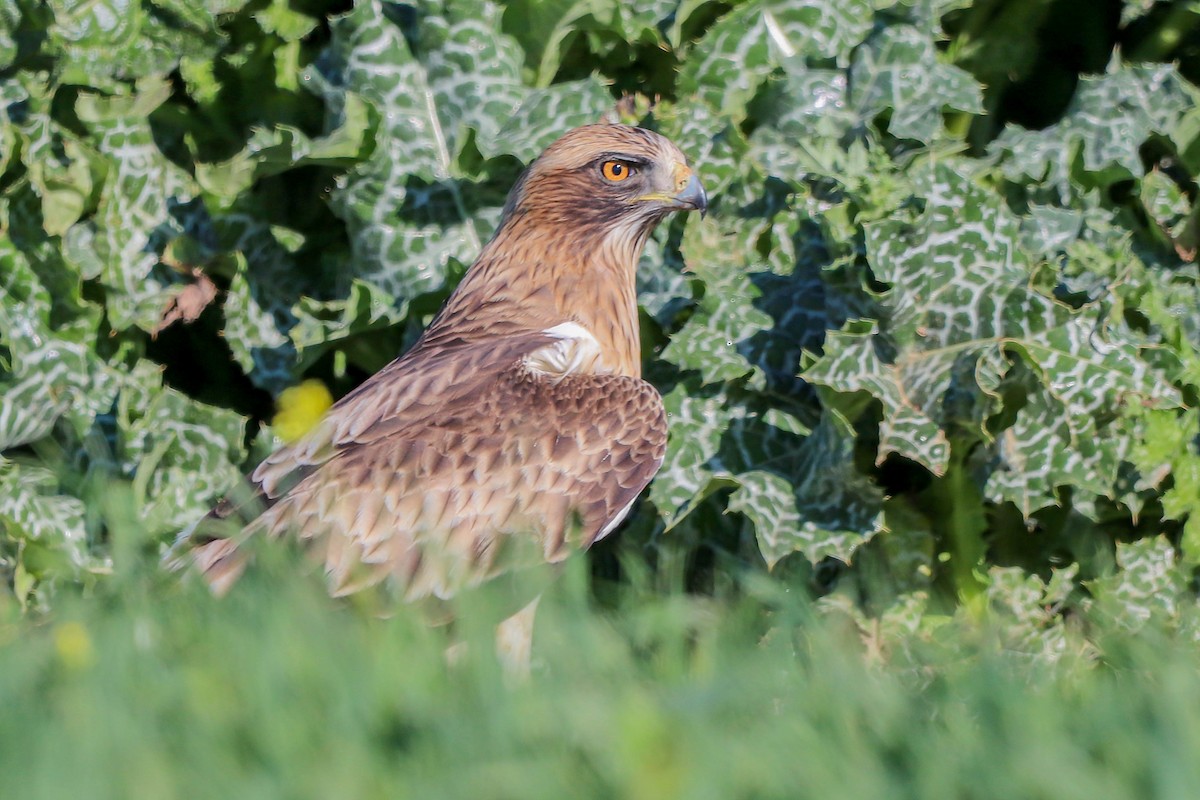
505, 478
465, 470
408, 390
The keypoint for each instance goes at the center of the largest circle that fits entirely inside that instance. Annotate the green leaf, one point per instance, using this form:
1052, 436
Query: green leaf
1104, 126
808, 498
32, 510
1166, 452
663, 289
67, 381
807, 106
819, 30
759, 321
10, 16
13, 97
259, 315
543, 26
960, 308
696, 422
898, 70
1025, 609
545, 114
101, 41
51, 374
1085, 374
282, 147
437, 81
715, 148
321, 323
181, 454
1147, 586
908, 546
138, 209
801, 493
60, 167
285, 22
852, 363
1167, 205
712, 340
728, 66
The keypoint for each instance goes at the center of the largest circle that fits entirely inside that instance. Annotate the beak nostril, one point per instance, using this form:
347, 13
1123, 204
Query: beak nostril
692, 195
682, 175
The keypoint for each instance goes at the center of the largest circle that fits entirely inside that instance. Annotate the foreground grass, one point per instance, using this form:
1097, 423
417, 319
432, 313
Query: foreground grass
146, 688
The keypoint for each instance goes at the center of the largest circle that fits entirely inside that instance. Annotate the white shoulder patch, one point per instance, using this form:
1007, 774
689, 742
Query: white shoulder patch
576, 352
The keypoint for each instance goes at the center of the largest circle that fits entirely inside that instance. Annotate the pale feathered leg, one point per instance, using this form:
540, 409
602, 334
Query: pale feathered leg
514, 641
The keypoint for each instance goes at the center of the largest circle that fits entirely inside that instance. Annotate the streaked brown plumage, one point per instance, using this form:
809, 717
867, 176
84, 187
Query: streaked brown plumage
518, 427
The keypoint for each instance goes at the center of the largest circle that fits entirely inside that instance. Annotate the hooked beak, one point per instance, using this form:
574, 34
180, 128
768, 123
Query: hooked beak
689, 193
693, 196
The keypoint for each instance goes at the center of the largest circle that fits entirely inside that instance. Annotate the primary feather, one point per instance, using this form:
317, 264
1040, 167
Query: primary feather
518, 427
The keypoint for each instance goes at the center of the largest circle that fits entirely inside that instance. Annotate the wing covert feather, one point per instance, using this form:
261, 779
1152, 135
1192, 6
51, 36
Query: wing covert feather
515, 473
415, 386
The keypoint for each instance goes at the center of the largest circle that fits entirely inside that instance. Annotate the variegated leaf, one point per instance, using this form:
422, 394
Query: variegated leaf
1147, 587
139, 209
32, 509
728, 66
438, 79
898, 70
180, 454
960, 308
1108, 119
103, 40
801, 492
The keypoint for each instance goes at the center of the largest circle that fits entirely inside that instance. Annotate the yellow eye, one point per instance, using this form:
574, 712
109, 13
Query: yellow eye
616, 171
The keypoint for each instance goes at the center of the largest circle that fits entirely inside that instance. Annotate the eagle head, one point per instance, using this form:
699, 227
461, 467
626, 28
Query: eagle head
570, 239
609, 180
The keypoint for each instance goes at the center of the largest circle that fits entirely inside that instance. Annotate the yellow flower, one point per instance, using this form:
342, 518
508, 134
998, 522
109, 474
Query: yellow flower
74, 645
299, 409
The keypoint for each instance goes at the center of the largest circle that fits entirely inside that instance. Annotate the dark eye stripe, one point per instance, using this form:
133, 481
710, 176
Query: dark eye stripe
635, 162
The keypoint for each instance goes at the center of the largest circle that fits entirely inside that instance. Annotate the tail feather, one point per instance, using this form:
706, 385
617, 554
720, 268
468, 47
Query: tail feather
210, 545
220, 562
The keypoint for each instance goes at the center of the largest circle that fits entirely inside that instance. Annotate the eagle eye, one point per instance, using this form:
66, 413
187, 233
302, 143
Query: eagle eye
616, 171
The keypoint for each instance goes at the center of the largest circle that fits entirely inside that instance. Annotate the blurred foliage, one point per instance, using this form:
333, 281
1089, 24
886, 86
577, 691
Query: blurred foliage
143, 687
937, 344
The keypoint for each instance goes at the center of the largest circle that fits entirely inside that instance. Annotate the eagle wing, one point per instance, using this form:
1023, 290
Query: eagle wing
457, 463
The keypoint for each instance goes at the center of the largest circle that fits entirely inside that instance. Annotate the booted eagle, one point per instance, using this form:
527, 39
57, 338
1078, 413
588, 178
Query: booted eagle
518, 428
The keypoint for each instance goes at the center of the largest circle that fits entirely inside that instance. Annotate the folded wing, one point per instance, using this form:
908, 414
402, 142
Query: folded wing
451, 466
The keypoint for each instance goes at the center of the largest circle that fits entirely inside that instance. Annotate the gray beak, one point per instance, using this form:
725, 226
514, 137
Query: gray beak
693, 196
